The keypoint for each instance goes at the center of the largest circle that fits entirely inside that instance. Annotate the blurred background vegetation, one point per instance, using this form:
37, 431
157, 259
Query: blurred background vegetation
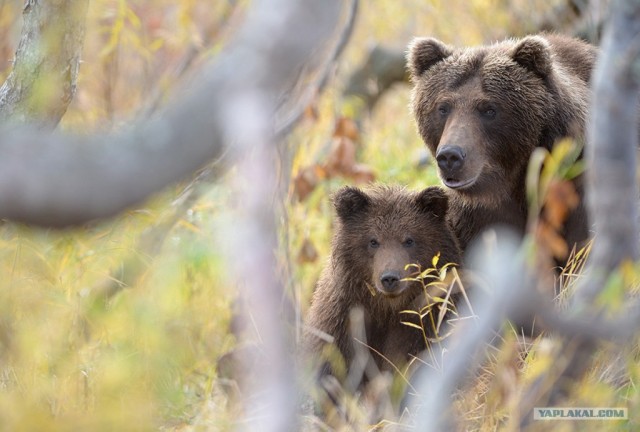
119, 325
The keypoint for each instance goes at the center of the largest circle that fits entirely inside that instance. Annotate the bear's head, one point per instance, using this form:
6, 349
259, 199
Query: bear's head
482, 111
382, 231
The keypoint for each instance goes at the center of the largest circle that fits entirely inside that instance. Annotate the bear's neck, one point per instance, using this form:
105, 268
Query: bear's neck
468, 219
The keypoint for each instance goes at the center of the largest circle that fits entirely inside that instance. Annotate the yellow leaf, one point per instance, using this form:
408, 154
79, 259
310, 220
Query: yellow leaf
412, 325
435, 260
372, 290
409, 311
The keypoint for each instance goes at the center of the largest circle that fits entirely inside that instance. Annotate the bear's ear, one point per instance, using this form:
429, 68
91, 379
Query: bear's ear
423, 53
533, 53
349, 202
433, 200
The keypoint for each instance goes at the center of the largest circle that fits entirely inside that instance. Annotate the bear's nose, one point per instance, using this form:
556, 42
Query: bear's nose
390, 280
450, 158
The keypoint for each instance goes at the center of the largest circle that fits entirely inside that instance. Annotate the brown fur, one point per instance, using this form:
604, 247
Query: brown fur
377, 233
497, 103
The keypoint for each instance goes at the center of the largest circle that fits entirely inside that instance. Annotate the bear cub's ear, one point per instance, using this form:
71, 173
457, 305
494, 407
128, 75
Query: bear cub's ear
533, 53
433, 200
349, 202
423, 53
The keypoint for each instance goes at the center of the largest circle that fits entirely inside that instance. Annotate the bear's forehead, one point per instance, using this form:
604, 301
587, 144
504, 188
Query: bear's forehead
476, 57
393, 212
491, 64
398, 222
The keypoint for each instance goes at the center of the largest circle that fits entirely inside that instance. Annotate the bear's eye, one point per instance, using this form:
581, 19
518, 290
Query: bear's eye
374, 243
488, 112
408, 242
444, 109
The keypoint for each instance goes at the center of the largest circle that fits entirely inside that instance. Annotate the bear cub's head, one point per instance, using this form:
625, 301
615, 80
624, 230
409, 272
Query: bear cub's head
384, 230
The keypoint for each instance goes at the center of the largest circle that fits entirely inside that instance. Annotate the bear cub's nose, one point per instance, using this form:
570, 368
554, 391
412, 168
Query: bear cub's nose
450, 158
390, 280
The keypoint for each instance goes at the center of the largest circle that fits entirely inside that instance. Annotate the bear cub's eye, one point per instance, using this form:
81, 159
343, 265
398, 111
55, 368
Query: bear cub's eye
409, 242
374, 243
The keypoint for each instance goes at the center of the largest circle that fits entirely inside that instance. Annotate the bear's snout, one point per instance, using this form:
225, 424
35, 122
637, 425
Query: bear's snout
458, 156
390, 281
389, 267
450, 159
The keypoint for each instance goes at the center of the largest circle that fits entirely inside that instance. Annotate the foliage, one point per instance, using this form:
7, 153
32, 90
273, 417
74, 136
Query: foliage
146, 357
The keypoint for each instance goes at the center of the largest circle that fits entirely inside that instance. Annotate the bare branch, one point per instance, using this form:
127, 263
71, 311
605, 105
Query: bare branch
152, 238
58, 180
611, 151
383, 67
43, 80
612, 194
270, 403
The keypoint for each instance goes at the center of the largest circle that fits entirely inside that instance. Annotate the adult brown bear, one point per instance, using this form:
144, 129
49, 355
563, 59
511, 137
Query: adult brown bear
482, 111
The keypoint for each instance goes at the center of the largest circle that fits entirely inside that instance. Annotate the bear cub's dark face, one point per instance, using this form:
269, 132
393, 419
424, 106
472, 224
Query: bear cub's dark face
381, 232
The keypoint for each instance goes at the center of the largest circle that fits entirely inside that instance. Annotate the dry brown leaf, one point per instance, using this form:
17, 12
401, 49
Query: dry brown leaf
306, 181
320, 171
362, 173
560, 200
307, 253
346, 128
548, 238
311, 113
342, 157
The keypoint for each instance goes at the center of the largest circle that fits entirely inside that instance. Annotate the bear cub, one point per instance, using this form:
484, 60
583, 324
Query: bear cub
378, 234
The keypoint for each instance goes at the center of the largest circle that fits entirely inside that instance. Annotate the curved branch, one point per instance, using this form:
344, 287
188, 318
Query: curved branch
59, 180
612, 192
611, 151
384, 67
45, 70
291, 118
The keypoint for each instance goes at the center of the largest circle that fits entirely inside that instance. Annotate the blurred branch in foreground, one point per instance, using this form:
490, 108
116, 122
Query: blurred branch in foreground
612, 196
152, 238
60, 179
510, 288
